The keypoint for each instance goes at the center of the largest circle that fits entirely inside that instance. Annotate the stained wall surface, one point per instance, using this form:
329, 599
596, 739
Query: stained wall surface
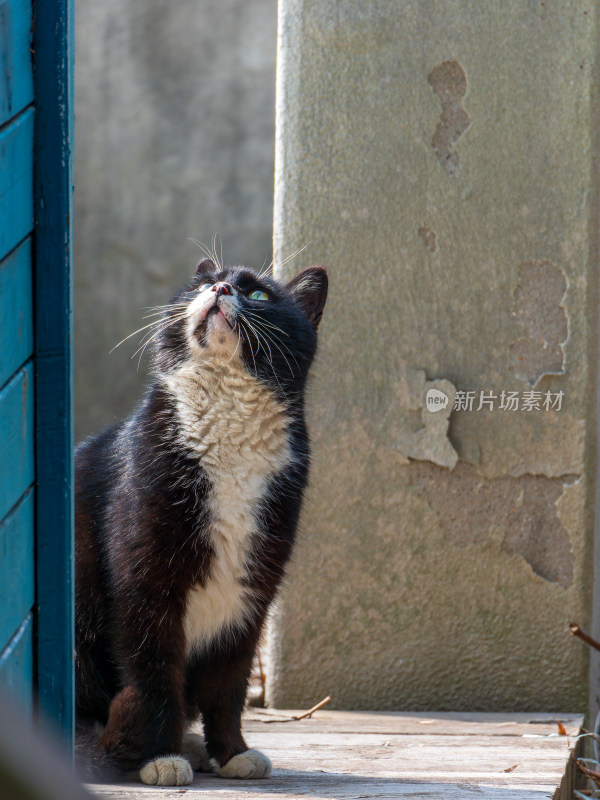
175, 129
439, 159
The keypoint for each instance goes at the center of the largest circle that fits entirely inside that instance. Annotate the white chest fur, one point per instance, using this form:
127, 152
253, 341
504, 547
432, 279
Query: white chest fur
240, 434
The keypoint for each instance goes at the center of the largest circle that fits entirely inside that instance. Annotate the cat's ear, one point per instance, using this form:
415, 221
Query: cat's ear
309, 290
206, 265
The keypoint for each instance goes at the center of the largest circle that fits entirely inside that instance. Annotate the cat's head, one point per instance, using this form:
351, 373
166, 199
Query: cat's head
233, 315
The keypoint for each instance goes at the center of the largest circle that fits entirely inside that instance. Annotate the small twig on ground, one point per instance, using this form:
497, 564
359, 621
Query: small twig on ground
308, 714
576, 631
295, 718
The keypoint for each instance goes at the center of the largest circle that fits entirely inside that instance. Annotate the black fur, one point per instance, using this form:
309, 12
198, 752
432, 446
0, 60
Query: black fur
142, 540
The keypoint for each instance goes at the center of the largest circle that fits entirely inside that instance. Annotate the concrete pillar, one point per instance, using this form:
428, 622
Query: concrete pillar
439, 159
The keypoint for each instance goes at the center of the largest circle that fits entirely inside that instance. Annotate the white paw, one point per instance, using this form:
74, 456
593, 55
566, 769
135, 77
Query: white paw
251, 764
167, 771
194, 749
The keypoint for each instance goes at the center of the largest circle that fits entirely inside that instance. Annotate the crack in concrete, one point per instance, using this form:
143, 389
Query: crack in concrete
449, 82
521, 514
429, 238
538, 297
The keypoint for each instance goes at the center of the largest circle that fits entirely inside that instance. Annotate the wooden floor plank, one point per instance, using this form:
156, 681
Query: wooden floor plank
355, 755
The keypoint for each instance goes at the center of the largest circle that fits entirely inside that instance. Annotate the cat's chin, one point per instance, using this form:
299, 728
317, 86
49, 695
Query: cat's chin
220, 337
215, 336
217, 321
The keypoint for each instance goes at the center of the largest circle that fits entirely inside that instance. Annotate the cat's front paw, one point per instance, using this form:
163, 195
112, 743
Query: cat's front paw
194, 749
167, 771
250, 764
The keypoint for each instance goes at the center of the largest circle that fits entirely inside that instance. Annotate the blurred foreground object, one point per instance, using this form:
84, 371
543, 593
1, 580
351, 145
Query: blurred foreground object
32, 767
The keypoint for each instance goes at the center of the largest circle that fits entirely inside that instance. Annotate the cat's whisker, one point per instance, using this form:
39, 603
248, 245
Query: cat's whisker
261, 271
161, 314
268, 323
153, 335
258, 348
218, 262
286, 260
163, 323
274, 341
139, 330
264, 270
284, 345
204, 249
166, 306
155, 310
141, 349
293, 255
249, 345
239, 339
253, 329
282, 353
273, 338
265, 341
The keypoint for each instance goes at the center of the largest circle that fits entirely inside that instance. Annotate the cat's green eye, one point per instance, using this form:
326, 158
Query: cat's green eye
258, 294
204, 287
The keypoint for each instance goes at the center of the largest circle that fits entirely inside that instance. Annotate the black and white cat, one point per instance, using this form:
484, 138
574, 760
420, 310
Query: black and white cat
185, 518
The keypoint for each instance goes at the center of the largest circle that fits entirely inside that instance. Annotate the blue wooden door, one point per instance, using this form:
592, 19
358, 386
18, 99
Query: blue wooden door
36, 540
17, 471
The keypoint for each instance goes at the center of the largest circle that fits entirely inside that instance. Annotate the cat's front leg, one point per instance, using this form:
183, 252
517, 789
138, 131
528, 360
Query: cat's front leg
146, 718
248, 764
219, 691
141, 729
230, 755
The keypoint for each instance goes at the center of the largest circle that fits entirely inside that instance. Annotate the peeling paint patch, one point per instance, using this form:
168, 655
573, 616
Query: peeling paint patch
449, 82
540, 290
519, 513
429, 238
418, 433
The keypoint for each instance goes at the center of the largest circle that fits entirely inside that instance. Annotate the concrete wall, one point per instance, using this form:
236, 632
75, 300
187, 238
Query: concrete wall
174, 139
440, 159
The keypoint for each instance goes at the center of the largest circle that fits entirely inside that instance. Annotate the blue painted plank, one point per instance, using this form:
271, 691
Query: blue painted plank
16, 438
16, 181
53, 83
16, 67
17, 569
16, 311
16, 666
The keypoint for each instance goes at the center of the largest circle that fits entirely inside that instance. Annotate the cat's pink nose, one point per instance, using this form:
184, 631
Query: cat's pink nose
222, 288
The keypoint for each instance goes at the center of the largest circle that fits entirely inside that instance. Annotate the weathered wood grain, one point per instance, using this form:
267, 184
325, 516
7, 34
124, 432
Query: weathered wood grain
355, 755
16, 311
16, 567
16, 666
16, 76
420, 722
16, 438
16, 181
